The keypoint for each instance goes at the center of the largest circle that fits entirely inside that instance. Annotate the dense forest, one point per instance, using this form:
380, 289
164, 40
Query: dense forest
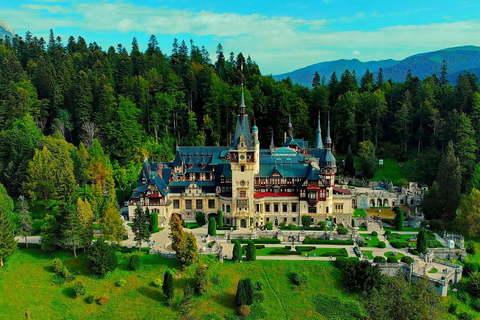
73, 98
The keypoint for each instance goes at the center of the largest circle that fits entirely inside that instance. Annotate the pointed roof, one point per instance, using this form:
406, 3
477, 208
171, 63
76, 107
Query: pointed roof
272, 144
328, 140
318, 137
243, 126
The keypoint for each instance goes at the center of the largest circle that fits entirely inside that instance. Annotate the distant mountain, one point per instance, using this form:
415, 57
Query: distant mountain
5, 29
422, 65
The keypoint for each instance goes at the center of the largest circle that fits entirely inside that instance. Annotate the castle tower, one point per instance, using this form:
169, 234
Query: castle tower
290, 127
245, 163
328, 166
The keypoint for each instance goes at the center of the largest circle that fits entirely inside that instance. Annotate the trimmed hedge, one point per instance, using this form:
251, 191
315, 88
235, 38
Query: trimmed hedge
407, 260
379, 259
342, 262
392, 260
283, 251
325, 241
382, 245
398, 244
375, 233
226, 228
305, 248
259, 241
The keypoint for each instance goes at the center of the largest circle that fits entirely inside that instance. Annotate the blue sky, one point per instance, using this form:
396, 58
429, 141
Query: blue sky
280, 36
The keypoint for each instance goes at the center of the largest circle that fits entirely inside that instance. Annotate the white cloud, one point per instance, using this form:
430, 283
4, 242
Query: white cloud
278, 44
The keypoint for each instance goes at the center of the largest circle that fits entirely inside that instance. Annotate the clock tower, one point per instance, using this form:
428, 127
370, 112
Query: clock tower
245, 163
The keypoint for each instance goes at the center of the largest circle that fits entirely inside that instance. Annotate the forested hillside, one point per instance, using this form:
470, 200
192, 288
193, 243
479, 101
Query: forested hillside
141, 104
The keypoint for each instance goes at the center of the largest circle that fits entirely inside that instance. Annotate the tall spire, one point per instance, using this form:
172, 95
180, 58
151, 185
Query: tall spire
318, 137
272, 144
290, 127
242, 103
328, 140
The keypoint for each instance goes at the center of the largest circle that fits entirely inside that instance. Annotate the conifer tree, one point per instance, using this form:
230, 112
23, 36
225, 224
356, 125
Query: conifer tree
212, 226
140, 226
190, 254
7, 238
350, 162
236, 254
167, 287
422, 241
71, 228
443, 199
398, 219
50, 233
112, 225
251, 252
86, 218
220, 219
24, 219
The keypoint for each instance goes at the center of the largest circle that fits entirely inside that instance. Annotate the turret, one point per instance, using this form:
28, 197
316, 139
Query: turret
318, 137
328, 140
290, 127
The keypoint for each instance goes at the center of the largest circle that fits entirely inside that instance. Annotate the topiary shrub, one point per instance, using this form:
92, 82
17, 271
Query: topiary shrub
298, 279
57, 265
342, 230
392, 260
387, 233
470, 267
79, 289
244, 310
135, 262
407, 260
66, 273
470, 247
476, 304
465, 316
269, 226
157, 282
121, 282
375, 233
89, 299
382, 245
452, 308
379, 259
258, 297
102, 300
200, 218
396, 244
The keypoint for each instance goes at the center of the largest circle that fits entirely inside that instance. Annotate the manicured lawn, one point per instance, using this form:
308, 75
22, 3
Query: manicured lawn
192, 225
398, 256
359, 213
362, 228
403, 229
373, 242
384, 213
368, 254
434, 270
27, 282
390, 170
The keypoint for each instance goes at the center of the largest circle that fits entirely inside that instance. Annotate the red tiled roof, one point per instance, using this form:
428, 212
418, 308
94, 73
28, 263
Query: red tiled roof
259, 195
340, 190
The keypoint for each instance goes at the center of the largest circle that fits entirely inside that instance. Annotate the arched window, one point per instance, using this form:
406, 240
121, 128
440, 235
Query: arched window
228, 208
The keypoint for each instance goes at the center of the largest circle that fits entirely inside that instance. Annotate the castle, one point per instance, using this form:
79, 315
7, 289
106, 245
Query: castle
252, 186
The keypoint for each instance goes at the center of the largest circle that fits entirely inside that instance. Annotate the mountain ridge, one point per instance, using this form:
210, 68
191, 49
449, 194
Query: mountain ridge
422, 65
5, 29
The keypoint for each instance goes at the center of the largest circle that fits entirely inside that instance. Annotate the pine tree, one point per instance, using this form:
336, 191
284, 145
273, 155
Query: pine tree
140, 226
316, 80
212, 226
41, 183
241, 295
442, 201
167, 287
368, 159
24, 219
7, 238
469, 214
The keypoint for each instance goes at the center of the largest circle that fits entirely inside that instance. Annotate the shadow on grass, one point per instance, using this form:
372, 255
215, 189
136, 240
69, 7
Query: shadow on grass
227, 300
69, 292
151, 293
